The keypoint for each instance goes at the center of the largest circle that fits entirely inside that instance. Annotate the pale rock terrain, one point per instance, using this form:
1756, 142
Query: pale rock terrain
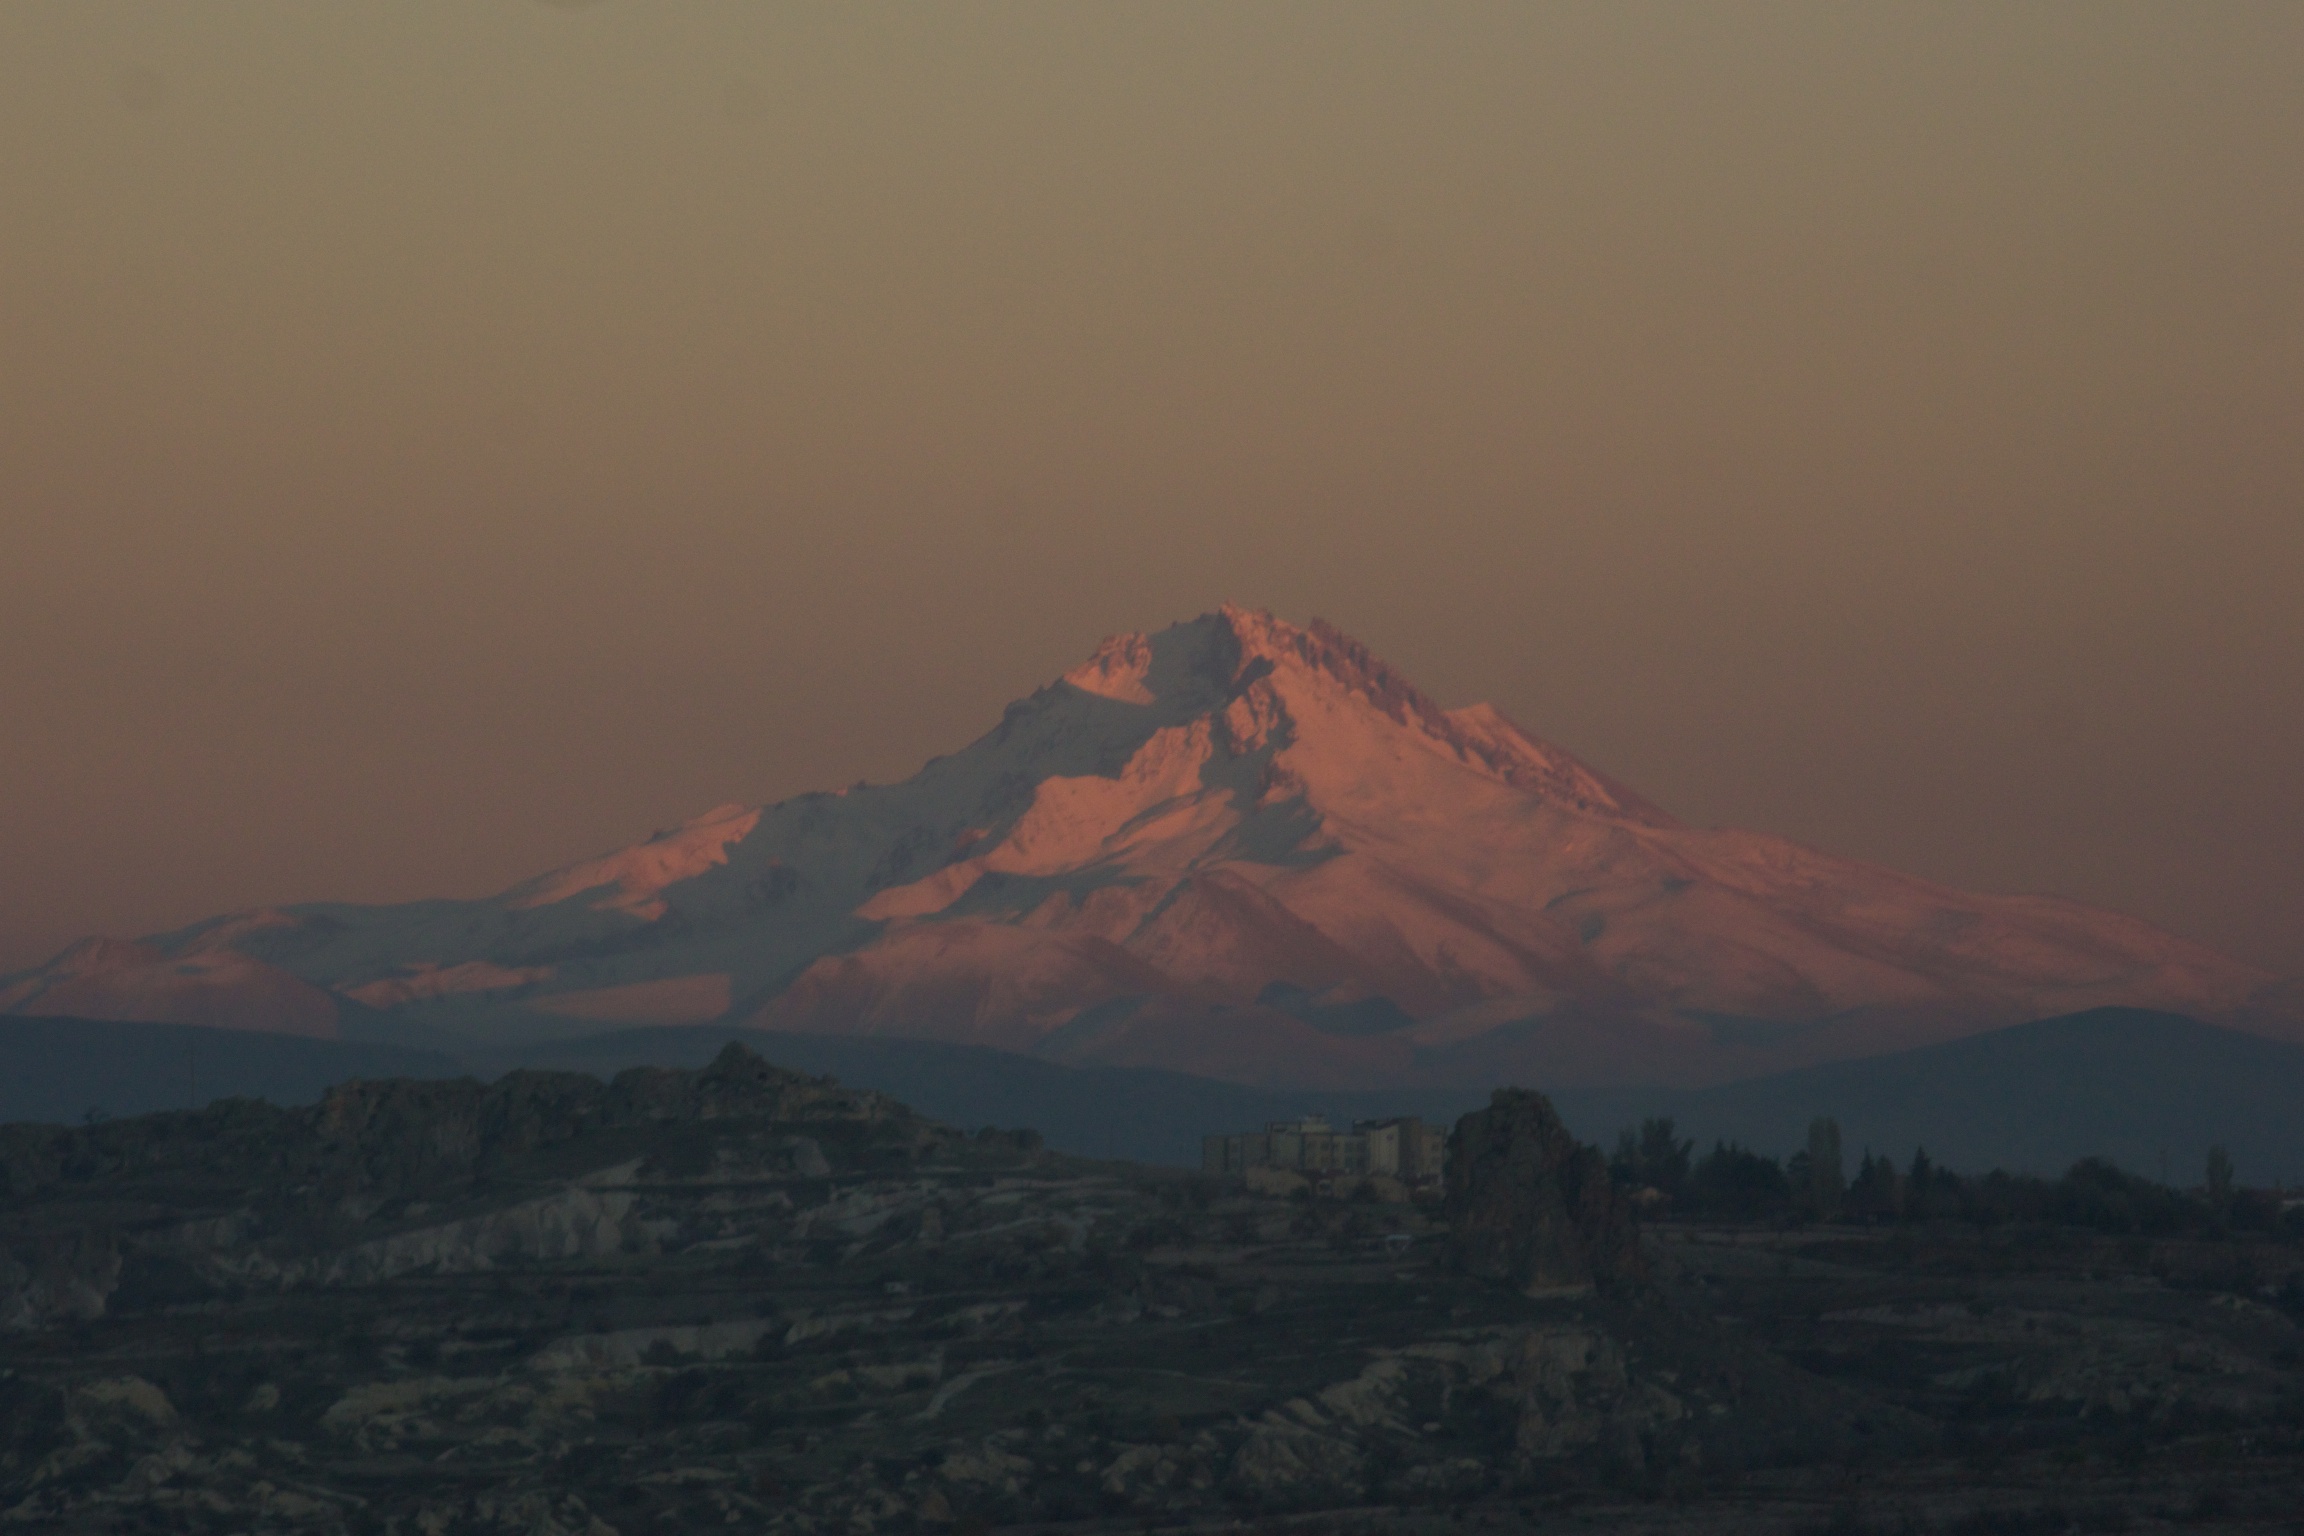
392, 1312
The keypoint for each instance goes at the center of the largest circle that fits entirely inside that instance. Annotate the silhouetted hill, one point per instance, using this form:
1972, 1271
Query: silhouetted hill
2144, 1089
1138, 1113
58, 1069
2151, 1091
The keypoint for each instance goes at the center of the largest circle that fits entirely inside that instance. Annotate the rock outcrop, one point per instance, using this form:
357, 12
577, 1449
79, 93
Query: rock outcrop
57, 1278
740, 1299
1530, 1207
367, 1141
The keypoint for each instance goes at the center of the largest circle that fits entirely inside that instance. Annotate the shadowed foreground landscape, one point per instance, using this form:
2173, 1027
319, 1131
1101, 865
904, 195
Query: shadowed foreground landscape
741, 1297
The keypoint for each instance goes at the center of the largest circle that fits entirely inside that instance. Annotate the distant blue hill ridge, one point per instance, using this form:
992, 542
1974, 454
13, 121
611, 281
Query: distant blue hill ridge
2150, 1091
63, 1071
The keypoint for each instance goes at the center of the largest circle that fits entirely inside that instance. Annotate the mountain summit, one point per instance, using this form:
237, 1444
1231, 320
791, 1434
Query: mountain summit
1237, 847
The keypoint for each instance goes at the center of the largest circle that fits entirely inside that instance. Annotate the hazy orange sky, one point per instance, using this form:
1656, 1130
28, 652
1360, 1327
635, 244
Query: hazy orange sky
439, 441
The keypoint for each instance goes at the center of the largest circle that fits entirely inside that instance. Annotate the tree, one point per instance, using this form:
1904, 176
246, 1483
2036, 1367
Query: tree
1656, 1157
1878, 1191
1738, 1183
1827, 1180
2219, 1182
1916, 1183
1664, 1156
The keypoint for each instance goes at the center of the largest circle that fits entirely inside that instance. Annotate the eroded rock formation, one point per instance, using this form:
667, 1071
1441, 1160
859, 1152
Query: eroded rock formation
1529, 1207
744, 1299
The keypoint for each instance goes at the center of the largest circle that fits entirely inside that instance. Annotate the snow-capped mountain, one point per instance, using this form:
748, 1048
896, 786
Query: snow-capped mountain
1237, 847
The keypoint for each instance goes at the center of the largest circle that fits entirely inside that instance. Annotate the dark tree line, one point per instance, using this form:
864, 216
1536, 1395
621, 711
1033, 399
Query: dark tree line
1735, 1183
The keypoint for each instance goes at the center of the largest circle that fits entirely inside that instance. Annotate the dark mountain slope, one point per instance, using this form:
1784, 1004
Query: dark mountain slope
59, 1069
2151, 1091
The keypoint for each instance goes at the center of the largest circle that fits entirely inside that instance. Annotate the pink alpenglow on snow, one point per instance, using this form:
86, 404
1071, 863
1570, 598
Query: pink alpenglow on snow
632, 877
143, 984
1250, 849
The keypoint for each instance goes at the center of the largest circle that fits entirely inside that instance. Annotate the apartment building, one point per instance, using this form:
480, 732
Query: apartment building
1404, 1148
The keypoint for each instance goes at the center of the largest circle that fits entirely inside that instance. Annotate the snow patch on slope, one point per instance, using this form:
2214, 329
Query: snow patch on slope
142, 984
636, 876
1117, 670
427, 980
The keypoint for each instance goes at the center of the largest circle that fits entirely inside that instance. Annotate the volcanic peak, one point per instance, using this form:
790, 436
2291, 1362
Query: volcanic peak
1270, 683
1125, 867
